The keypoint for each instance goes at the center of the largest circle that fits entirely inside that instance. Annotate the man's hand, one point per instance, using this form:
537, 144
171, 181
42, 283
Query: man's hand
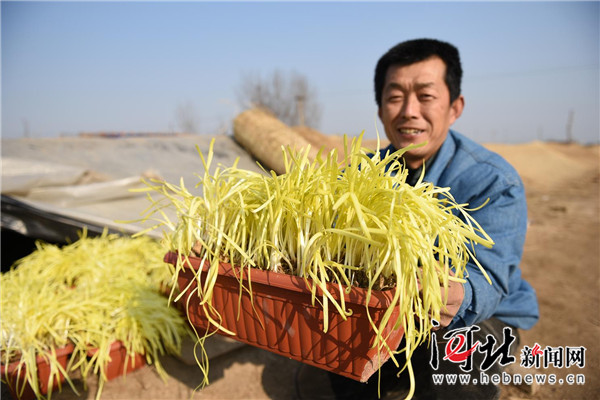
456, 293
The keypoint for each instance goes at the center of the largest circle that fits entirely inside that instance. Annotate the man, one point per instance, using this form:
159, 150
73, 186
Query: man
417, 89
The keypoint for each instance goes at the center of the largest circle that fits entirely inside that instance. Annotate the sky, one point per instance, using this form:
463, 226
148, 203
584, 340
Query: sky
531, 69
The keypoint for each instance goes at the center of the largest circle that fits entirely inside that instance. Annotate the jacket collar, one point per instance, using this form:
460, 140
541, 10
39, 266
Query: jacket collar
443, 159
434, 171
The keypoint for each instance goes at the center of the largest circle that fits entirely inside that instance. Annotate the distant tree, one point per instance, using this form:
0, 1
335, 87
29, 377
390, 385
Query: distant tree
289, 97
186, 118
25, 122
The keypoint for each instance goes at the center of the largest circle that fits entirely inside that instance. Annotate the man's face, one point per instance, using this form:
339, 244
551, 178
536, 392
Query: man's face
415, 108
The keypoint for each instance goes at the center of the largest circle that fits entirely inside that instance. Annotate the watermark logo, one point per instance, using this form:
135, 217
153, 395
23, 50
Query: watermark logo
461, 347
558, 357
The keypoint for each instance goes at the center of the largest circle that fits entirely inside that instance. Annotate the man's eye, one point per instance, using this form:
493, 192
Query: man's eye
394, 99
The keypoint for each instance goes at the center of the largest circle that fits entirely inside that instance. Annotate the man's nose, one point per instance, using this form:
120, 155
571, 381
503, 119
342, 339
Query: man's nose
410, 108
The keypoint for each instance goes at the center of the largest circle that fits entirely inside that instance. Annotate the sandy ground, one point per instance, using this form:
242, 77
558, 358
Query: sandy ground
561, 261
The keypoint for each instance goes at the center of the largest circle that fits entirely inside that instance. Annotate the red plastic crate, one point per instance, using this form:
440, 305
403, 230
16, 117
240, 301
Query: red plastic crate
280, 318
16, 379
120, 364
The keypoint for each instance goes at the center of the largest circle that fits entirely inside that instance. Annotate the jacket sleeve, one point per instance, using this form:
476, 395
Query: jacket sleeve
504, 218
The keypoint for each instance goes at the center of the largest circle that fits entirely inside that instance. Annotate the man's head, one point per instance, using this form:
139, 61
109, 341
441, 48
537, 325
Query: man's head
417, 89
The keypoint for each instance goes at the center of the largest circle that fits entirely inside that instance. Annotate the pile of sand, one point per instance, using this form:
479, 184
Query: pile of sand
544, 166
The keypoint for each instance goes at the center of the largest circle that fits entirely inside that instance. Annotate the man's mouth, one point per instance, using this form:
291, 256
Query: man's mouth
410, 131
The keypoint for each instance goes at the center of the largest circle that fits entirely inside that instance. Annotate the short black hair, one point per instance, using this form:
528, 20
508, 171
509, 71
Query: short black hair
412, 51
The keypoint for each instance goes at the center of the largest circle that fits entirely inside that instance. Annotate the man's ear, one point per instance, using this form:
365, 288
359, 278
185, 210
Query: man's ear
379, 112
456, 108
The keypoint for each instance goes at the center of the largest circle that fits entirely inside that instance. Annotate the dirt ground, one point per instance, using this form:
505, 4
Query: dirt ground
561, 261
561, 258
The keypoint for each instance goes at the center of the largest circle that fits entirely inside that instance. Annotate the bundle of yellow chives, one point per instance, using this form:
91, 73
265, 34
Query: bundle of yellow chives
90, 293
355, 223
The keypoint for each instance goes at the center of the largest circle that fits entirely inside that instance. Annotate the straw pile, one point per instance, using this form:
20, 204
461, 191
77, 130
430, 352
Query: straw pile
330, 142
319, 140
263, 136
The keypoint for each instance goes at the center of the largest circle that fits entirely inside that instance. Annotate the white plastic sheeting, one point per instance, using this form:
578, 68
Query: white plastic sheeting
20, 175
80, 181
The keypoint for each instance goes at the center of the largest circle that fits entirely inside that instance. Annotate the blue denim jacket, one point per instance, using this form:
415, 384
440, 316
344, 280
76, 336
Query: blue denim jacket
473, 175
